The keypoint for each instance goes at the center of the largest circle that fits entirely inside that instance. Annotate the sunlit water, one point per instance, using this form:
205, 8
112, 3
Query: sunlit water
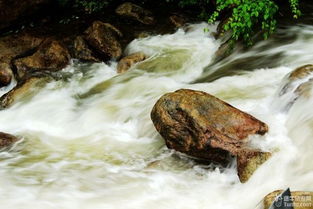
89, 143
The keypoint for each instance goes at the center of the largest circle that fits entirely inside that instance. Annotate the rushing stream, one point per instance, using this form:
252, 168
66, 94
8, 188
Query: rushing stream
89, 143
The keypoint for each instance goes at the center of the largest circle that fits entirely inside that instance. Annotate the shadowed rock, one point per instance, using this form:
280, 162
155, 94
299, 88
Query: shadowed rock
103, 37
135, 12
82, 51
205, 127
13, 10
7, 140
177, 20
6, 74
126, 62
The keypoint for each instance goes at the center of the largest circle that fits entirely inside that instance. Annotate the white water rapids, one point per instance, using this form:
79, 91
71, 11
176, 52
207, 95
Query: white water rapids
89, 143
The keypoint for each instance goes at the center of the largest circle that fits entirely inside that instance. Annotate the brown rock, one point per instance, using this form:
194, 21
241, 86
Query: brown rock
103, 37
304, 89
50, 56
248, 161
14, 46
82, 51
128, 61
7, 140
23, 91
297, 84
301, 72
13, 10
177, 20
296, 75
17, 45
300, 199
6, 74
135, 12
205, 127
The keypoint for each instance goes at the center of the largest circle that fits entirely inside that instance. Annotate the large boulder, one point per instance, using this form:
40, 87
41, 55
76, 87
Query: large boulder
135, 12
205, 127
6, 140
104, 38
24, 90
127, 62
300, 199
14, 10
50, 56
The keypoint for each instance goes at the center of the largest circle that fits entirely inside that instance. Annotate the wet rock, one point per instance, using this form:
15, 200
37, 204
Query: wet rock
304, 89
13, 10
248, 161
224, 50
103, 38
17, 45
301, 72
135, 12
128, 61
14, 46
177, 20
295, 77
6, 140
24, 90
50, 56
6, 74
297, 84
143, 34
300, 199
82, 51
205, 127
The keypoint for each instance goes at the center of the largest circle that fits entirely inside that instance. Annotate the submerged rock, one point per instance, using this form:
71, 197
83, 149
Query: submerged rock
24, 90
298, 84
7, 140
50, 56
135, 12
205, 127
103, 37
300, 199
295, 77
128, 61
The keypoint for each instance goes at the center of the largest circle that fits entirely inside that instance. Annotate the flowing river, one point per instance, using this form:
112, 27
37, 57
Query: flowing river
89, 143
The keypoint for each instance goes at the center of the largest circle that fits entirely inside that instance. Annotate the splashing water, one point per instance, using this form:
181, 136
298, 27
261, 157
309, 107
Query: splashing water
89, 143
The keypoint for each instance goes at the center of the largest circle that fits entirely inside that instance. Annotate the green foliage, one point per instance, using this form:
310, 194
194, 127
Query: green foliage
251, 15
246, 16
